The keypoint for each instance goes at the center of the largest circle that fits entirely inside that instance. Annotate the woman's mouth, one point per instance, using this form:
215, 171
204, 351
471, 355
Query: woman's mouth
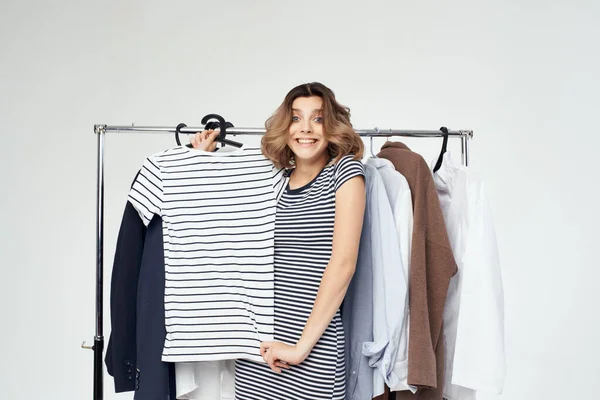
306, 142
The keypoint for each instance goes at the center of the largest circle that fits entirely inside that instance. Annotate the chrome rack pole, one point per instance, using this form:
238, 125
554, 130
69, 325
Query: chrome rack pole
464, 134
98, 346
260, 131
464, 146
99, 338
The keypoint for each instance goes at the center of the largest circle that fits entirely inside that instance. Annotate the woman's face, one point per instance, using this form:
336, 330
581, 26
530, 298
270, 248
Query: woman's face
305, 137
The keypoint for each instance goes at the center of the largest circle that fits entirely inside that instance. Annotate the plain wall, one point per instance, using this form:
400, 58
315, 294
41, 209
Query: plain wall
522, 74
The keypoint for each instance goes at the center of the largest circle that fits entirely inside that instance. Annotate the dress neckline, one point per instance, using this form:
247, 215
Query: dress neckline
305, 186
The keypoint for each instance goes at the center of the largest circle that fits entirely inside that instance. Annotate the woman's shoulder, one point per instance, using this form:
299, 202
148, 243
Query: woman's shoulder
345, 168
348, 161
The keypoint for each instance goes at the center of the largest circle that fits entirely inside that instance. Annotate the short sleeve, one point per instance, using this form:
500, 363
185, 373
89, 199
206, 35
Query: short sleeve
146, 193
278, 179
346, 169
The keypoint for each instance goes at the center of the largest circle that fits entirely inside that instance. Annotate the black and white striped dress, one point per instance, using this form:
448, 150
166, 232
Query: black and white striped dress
303, 241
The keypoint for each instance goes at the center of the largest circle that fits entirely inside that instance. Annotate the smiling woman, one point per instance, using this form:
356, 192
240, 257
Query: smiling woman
317, 231
318, 225
305, 137
312, 104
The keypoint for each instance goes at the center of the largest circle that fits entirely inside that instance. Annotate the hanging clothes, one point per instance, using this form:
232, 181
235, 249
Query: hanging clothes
133, 355
399, 195
121, 357
357, 307
431, 267
474, 313
390, 293
303, 247
374, 316
155, 379
218, 213
206, 380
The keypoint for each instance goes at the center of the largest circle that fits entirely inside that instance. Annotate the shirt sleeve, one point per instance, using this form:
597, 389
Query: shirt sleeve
146, 194
279, 181
346, 169
403, 215
121, 351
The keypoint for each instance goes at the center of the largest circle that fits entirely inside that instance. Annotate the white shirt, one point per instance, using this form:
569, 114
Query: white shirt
206, 380
399, 196
474, 311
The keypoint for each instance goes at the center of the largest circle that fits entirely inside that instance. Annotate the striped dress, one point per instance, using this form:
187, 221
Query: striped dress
303, 241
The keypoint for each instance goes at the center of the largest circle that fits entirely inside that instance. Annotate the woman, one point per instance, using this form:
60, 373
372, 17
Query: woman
317, 233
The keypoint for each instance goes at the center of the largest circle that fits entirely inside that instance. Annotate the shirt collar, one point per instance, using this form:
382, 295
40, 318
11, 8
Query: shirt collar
443, 177
380, 163
395, 145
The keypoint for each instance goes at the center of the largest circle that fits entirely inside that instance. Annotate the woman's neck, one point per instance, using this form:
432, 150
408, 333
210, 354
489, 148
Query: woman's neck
306, 171
311, 168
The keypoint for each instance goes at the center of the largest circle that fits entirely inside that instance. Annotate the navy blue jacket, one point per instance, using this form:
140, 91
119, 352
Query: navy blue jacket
121, 351
156, 379
133, 355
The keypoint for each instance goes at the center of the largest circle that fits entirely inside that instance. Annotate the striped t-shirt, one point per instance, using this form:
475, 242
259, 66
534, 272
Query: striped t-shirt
218, 212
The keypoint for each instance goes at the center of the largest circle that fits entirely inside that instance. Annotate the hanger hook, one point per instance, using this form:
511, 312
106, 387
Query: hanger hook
222, 124
440, 159
371, 140
177, 131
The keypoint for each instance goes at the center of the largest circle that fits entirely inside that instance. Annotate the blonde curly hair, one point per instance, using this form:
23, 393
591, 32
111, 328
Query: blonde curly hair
337, 129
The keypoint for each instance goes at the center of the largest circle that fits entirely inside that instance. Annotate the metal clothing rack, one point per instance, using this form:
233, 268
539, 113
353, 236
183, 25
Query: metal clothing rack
101, 130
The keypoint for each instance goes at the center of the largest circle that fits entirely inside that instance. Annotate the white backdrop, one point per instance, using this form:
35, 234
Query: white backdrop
522, 74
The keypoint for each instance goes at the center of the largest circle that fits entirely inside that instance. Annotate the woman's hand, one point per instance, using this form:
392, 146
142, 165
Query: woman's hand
280, 355
205, 140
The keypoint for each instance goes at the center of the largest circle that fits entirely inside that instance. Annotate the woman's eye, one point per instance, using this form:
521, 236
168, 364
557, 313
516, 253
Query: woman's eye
295, 118
319, 119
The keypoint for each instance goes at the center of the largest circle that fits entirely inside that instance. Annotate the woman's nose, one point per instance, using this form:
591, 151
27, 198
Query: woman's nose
306, 127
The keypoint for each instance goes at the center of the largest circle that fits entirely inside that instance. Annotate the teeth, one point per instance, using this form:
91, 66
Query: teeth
306, 141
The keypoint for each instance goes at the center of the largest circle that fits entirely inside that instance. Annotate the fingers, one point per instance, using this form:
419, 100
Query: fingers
268, 357
211, 145
205, 140
274, 364
264, 352
282, 364
195, 140
264, 346
269, 352
213, 134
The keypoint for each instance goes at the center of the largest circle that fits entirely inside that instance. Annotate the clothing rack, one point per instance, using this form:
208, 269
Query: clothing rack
101, 130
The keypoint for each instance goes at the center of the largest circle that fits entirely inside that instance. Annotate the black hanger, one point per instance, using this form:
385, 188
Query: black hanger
208, 125
177, 131
222, 125
438, 164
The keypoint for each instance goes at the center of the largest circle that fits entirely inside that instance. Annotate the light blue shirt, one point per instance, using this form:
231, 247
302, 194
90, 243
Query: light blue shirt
398, 192
357, 310
389, 289
374, 307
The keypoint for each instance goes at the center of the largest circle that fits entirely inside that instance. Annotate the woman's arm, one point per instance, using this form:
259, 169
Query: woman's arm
349, 213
